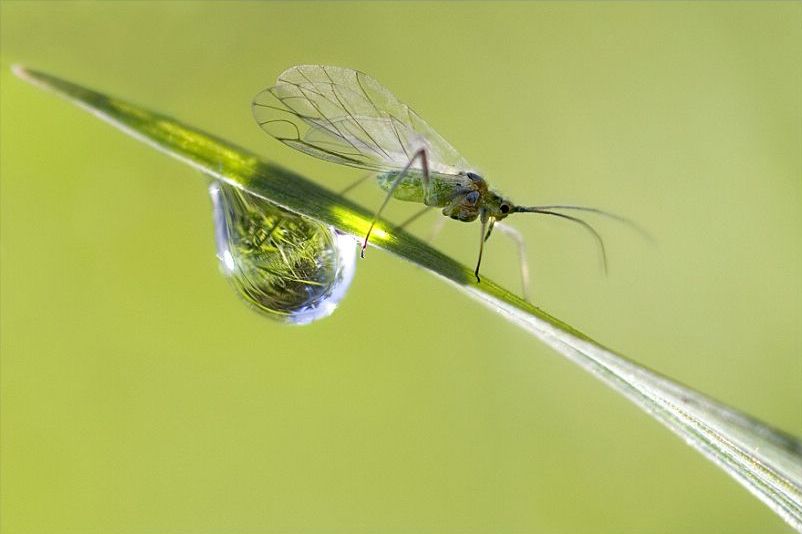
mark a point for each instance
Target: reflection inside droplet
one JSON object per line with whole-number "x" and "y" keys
{"x": 288, "y": 267}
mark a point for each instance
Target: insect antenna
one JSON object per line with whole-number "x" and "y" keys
{"x": 628, "y": 222}
{"x": 545, "y": 211}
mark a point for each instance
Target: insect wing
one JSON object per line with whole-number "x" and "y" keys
{"x": 347, "y": 117}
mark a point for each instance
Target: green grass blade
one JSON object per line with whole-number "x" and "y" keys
{"x": 767, "y": 461}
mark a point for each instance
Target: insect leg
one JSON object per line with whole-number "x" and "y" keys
{"x": 516, "y": 236}
{"x": 414, "y": 217}
{"x": 424, "y": 164}
{"x": 482, "y": 238}
{"x": 357, "y": 183}
{"x": 437, "y": 227}
{"x": 490, "y": 226}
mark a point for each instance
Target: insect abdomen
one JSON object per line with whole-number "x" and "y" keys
{"x": 410, "y": 189}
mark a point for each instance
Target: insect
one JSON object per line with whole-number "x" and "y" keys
{"x": 345, "y": 116}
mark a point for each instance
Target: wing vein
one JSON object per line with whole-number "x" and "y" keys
{"x": 347, "y": 117}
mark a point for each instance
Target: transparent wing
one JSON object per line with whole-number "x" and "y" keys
{"x": 347, "y": 117}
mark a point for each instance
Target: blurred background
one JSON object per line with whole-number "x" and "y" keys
{"x": 140, "y": 395}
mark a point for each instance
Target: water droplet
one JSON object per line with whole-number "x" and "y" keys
{"x": 290, "y": 268}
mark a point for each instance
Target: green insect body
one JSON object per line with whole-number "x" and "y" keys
{"x": 410, "y": 189}
{"x": 463, "y": 196}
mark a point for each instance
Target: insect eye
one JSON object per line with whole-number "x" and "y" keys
{"x": 473, "y": 176}
{"x": 505, "y": 208}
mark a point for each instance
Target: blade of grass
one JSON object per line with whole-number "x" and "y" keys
{"x": 765, "y": 460}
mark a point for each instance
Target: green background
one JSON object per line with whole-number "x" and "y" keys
{"x": 139, "y": 395}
